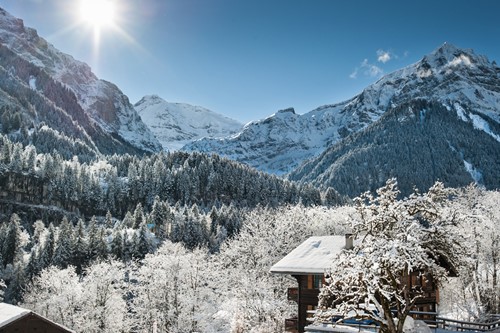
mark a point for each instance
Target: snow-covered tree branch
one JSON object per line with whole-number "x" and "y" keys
{"x": 396, "y": 238}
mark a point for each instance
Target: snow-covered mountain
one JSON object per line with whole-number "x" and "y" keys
{"x": 34, "y": 63}
{"x": 176, "y": 124}
{"x": 282, "y": 141}
{"x": 456, "y": 78}
{"x": 440, "y": 121}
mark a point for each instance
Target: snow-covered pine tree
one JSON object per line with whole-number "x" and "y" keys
{"x": 93, "y": 239}
{"x": 80, "y": 250}
{"x": 141, "y": 242}
{"x": 47, "y": 251}
{"x": 117, "y": 244}
{"x": 11, "y": 247}
{"x": 138, "y": 216}
{"x": 64, "y": 250}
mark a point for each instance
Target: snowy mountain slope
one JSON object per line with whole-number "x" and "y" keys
{"x": 102, "y": 101}
{"x": 418, "y": 142}
{"x": 442, "y": 123}
{"x": 176, "y": 124}
{"x": 278, "y": 143}
{"x": 283, "y": 141}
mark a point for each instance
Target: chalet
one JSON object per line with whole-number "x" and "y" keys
{"x": 14, "y": 319}
{"x": 310, "y": 260}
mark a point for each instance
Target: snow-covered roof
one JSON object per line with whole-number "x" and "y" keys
{"x": 314, "y": 256}
{"x": 11, "y": 313}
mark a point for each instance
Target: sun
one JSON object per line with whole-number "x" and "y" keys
{"x": 97, "y": 13}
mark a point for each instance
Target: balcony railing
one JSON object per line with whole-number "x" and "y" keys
{"x": 293, "y": 294}
{"x": 291, "y": 325}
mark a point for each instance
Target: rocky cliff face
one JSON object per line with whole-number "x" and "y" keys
{"x": 62, "y": 82}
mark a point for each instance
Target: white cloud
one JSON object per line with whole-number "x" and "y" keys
{"x": 354, "y": 74}
{"x": 384, "y": 56}
{"x": 367, "y": 69}
{"x": 370, "y": 69}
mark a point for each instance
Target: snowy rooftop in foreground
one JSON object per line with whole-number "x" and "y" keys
{"x": 10, "y": 313}
{"x": 314, "y": 256}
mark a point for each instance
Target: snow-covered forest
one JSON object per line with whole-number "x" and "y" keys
{"x": 177, "y": 242}
{"x": 119, "y": 275}
{"x": 173, "y": 288}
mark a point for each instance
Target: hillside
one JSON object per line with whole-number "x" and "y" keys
{"x": 42, "y": 86}
{"x": 418, "y": 143}
{"x": 442, "y": 124}
{"x": 449, "y": 75}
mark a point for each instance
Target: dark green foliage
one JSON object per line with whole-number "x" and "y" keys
{"x": 142, "y": 246}
{"x": 160, "y": 218}
{"x": 11, "y": 240}
{"x": 65, "y": 245}
{"x": 117, "y": 250}
{"x": 80, "y": 250}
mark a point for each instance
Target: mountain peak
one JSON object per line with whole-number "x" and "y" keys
{"x": 448, "y": 55}
{"x": 287, "y": 110}
{"x": 99, "y": 106}
{"x": 177, "y": 124}
{"x": 152, "y": 99}
{"x": 446, "y": 48}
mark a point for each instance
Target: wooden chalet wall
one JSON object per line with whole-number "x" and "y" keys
{"x": 306, "y": 296}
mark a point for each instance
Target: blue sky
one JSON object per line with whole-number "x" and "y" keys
{"x": 248, "y": 59}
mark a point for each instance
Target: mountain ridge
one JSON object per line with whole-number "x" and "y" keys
{"x": 105, "y": 105}
{"x": 446, "y": 74}
{"x": 443, "y": 119}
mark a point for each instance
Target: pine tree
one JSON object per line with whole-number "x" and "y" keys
{"x": 138, "y": 216}
{"x": 11, "y": 249}
{"x": 142, "y": 246}
{"x": 64, "y": 251}
{"x": 102, "y": 247}
{"x": 160, "y": 218}
{"x": 214, "y": 220}
{"x": 14, "y": 291}
{"x": 128, "y": 220}
{"x": 80, "y": 254}
{"x": 93, "y": 239}
{"x": 38, "y": 231}
{"x": 33, "y": 266}
{"x": 117, "y": 244}
{"x": 47, "y": 253}
{"x": 109, "y": 220}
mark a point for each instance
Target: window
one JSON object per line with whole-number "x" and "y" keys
{"x": 317, "y": 281}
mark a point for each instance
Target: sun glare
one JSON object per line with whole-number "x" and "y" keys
{"x": 97, "y": 13}
{"x": 98, "y": 19}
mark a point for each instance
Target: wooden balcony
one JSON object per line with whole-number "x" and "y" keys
{"x": 293, "y": 294}
{"x": 307, "y": 296}
{"x": 291, "y": 325}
